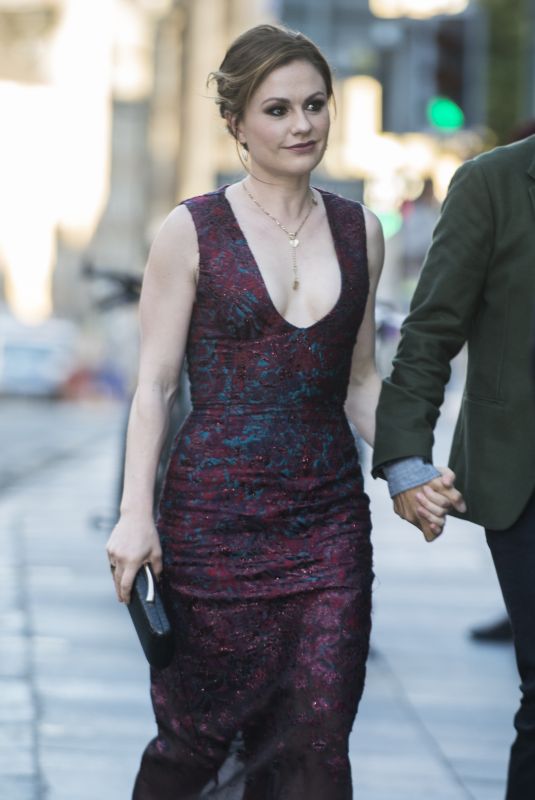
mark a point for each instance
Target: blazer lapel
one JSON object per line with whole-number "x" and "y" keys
{"x": 531, "y": 173}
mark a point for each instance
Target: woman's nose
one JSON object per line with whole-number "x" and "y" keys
{"x": 301, "y": 122}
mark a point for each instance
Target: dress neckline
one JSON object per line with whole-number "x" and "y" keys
{"x": 258, "y": 272}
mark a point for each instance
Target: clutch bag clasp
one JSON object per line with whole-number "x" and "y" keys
{"x": 150, "y": 585}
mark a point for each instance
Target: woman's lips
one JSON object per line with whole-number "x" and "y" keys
{"x": 301, "y": 148}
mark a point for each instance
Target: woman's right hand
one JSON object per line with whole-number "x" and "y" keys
{"x": 132, "y": 543}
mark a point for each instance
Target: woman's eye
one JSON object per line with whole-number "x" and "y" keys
{"x": 315, "y": 105}
{"x": 276, "y": 111}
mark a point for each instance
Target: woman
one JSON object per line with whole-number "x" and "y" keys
{"x": 263, "y": 522}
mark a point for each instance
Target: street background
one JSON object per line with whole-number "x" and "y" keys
{"x": 107, "y": 123}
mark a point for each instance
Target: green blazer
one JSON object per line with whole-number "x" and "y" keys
{"x": 477, "y": 286}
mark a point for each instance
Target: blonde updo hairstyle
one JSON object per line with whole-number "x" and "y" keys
{"x": 251, "y": 58}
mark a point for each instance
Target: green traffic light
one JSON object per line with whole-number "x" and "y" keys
{"x": 443, "y": 113}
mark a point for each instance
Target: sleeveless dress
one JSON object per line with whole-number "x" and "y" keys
{"x": 265, "y": 531}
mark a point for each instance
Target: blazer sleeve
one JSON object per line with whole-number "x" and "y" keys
{"x": 442, "y": 310}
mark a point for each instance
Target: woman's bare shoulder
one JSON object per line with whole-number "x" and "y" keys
{"x": 375, "y": 243}
{"x": 175, "y": 244}
{"x": 374, "y": 228}
{"x": 178, "y": 224}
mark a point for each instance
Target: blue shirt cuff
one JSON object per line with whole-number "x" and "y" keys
{"x": 406, "y": 473}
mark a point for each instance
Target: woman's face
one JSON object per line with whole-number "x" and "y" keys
{"x": 286, "y": 123}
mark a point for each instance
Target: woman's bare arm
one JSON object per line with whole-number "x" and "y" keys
{"x": 364, "y": 381}
{"x": 167, "y": 298}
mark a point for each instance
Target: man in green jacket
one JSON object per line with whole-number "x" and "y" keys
{"x": 477, "y": 286}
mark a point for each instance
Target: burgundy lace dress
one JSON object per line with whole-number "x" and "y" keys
{"x": 265, "y": 530}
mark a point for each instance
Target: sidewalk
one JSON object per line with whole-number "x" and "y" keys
{"x": 436, "y": 719}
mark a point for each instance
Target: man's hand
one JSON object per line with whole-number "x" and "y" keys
{"x": 426, "y": 506}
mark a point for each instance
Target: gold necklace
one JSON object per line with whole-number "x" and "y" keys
{"x": 292, "y": 237}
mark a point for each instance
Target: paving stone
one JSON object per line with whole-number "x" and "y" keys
{"x": 17, "y": 761}
{"x": 13, "y": 656}
{"x": 19, "y": 787}
{"x": 16, "y": 700}
{"x": 484, "y": 789}
{"x": 88, "y": 775}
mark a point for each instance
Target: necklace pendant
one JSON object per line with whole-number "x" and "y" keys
{"x": 295, "y": 285}
{"x": 294, "y": 241}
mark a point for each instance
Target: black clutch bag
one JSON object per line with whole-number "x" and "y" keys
{"x": 150, "y": 619}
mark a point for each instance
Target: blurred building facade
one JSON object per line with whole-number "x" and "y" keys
{"x": 414, "y": 59}
{"x": 109, "y": 122}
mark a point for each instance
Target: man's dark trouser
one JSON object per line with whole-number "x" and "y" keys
{"x": 513, "y": 552}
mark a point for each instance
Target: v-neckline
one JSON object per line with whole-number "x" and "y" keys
{"x": 339, "y": 259}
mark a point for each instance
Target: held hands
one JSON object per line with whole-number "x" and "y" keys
{"x": 132, "y": 543}
{"x": 426, "y": 506}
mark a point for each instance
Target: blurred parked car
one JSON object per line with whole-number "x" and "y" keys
{"x": 35, "y": 360}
